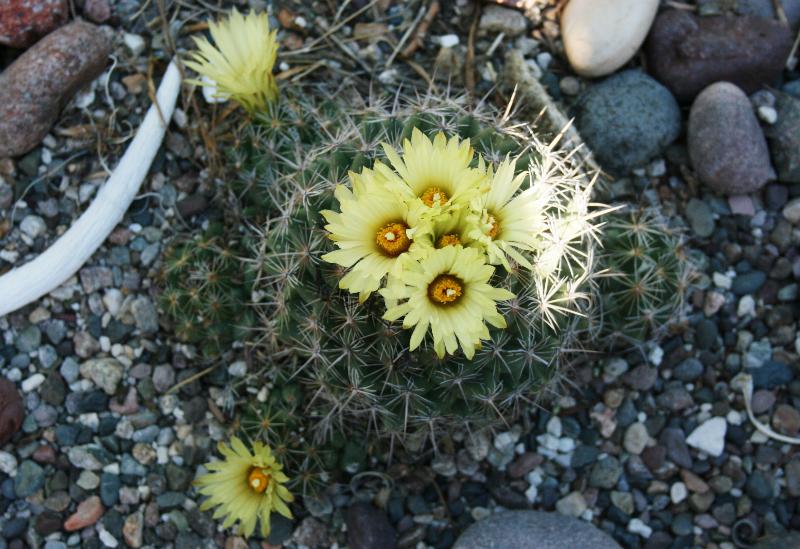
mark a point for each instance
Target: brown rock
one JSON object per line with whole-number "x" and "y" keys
{"x": 786, "y": 420}
{"x": 35, "y": 87}
{"x": 726, "y": 144}
{"x": 368, "y": 527}
{"x": 97, "y": 10}
{"x": 12, "y": 412}
{"x": 23, "y": 22}
{"x": 88, "y": 512}
{"x": 687, "y": 53}
{"x": 132, "y": 530}
{"x": 693, "y": 482}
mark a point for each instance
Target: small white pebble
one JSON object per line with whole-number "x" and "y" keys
{"x": 678, "y": 492}
{"x": 636, "y": 526}
{"x": 32, "y": 383}
{"x": 134, "y": 42}
{"x": 447, "y": 40}
{"x": 768, "y": 114}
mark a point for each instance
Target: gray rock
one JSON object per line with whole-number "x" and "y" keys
{"x": 369, "y": 527}
{"x": 627, "y": 119}
{"x": 29, "y": 479}
{"x": 605, "y": 473}
{"x": 529, "y": 529}
{"x": 688, "y": 370}
{"x": 784, "y": 138}
{"x": 145, "y": 315}
{"x": 726, "y": 145}
{"x": 505, "y": 20}
{"x": 688, "y": 53}
{"x": 106, "y": 373}
{"x": 28, "y": 339}
{"x": 700, "y": 217}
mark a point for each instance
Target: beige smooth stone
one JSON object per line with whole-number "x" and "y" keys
{"x": 602, "y": 35}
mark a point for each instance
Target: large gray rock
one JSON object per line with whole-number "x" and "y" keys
{"x": 784, "y": 139}
{"x": 687, "y": 52}
{"x": 533, "y": 530}
{"x": 726, "y": 144}
{"x": 627, "y": 119}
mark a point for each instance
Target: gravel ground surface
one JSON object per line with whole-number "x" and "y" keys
{"x": 654, "y": 447}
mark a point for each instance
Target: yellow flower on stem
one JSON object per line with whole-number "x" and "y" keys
{"x": 373, "y": 231}
{"x": 437, "y": 172}
{"x": 246, "y": 487}
{"x": 239, "y": 64}
{"x": 449, "y": 292}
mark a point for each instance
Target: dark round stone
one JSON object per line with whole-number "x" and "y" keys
{"x": 12, "y": 411}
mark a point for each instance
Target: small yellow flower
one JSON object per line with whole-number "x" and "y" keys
{"x": 451, "y": 228}
{"x": 374, "y": 229}
{"x": 449, "y": 292}
{"x": 507, "y": 221}
{"x": 245, "y": 487}
{"x": 240, "y": 66}
{"x": 436, "y": 173}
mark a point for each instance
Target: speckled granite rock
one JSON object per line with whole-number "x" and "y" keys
{"x": 533, "y": 529}
{"x": 35, "y": 88}
{"x": 23, "y": 22}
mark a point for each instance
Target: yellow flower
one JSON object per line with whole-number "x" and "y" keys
{"x": 246, "y": 487}
{"x": 449, "y": 292}
{"x": 240, "y": 66}
{"x": 374, "y": 229}
{"x": 452, "y": 228}
{"x": 437, "y": 173}
{"x": 506, "y": 223}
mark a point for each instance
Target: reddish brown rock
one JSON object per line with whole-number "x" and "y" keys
{"x": 687, "y": 53}
{"x": 35, "y": 88}
{"x": 23, "y": 22}
{"x": 88, "y": 512}
{"x": 12, "y": 412}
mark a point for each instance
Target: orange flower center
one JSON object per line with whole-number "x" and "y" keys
{"x": 258, "y": 480}
{"x": 433, "y": 195}
{"x": 448, "y": 240}
{"x": 445, "y": 290}
{"x": 392, "y": 239}
{"x": 494, "y": 226}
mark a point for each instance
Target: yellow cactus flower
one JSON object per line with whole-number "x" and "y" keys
{"x": 239, "y": 64}
{"x": 374, "y": 229}
{"x": 436, "y": 173}
{"x": 448, "y": 291}
{"x": 507, "y": 221}
{"x": 245, "y": 487}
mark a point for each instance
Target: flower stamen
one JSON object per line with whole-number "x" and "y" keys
{"x": 494, "y": 226}
{"x": 258, "y": 480}
{"x": 432, "y": 195}
{"x": 448, "y": 240}
{"x": 392, "y": 239}
{"x": 445, "y": 290}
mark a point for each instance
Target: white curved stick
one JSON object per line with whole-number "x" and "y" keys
{"x": 68, "y": 254}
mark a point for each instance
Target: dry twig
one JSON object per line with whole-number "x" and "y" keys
{"x": 418, "y": 39}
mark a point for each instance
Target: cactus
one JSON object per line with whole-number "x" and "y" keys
{"x": 204, "y": 291}
{"x": 646, "y": 274}
{"x": 355, "y": 367}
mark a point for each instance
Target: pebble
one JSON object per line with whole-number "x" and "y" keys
{"x": 771, "y": 374}
{"x": 784, "y": 138}
{"x": 35, "y": 87}
{"x": 369, "y": 527}
{"x": 678, "y": 492}
{"x": 572, "y": 505}
{"x": 627, "y": 120}
{"x": 601, "y": 36}
{"x": 499, "y": 19}
{"x": 688, "y": 53}
{"x": 106, "y": 373}
{"x": 33, "y": 226}
{"x": 636, "y": 438}
{"x": 97, "y": 11}
{"x": 88, "y": 512}
{"x": 29, "y": 479}
{"x": 700, "y": 217}
{"x": 605, "y": 473}
{"x": 23, "y": 22}
{"x": 786, "y": 420}
{"x": 709, "y": 436}
{"x": 688, "y": 370}
{"x": 748, "y": 283}
{"x": 791, "y": 211}
{"x": 726, "y": 145}
{"x": 637, "y": 526}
